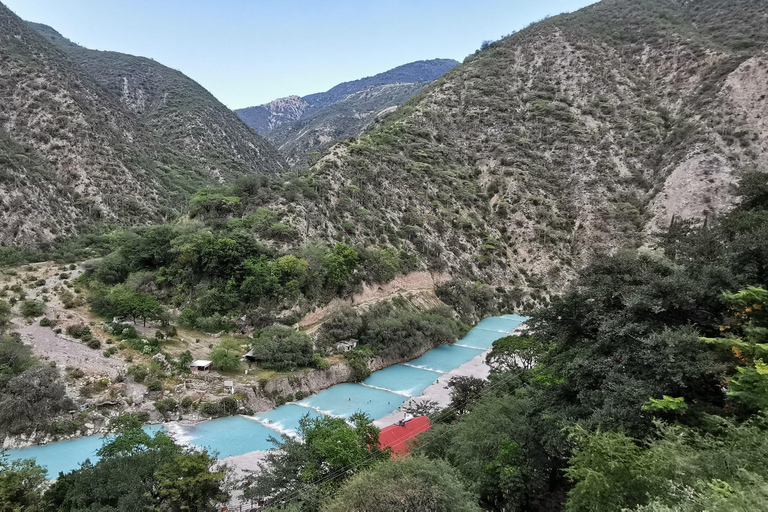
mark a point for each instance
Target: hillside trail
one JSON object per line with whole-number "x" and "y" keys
{"x": 417, "y": 287}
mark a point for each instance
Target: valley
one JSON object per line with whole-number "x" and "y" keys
{"x": 316, "y": 268}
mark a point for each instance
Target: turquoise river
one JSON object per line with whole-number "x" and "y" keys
{"x": 379, "y": 395}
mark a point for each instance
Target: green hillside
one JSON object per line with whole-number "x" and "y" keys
{"x": 75, "y": 154}
{"x": 582, "y": 133}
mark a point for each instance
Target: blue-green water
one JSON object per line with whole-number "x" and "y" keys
{"x": 66, "y": 455}
{"x": 379, "y": 395}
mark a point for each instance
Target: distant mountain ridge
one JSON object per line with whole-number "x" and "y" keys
{"x": 89, "y": 137}
{"x": 297, "y": 125}
{"x": 266, "y": 117}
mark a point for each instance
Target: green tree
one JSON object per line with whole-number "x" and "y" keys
{"x": 31, "y": 308}
{"x": 190, "y": 481}
{"x": 679, "y": 468}
{"x": 416, "y": 483}
{"x": 340, "y": 264}
{"x": 282, "y": 348}
{"x": 514, "y": 353}
{"x": 226, "y": 355}
{"x": 464, "y": 391}
{"x": 31, "y": 398}
{"x": 260, "y": 280}
{"x": 15, "y": 358}
{"x": 21, "y": 484}
{"x": 141, "y": 472}
{"x": 214, "y": 203}
{"x": 309, "y": 469}
{"x": 5, "y": 315}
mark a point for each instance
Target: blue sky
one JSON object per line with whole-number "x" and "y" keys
{"x": 248, "y": 52}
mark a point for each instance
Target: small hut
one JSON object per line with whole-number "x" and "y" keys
{"x": 200, "y": 367}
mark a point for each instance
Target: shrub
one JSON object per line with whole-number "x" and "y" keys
{"x": 47, "y": 322}
{"x": 155, "y": 385}
{"x": 166, "y": 405}
{"x": 32, "y": 308}
{"x": 228, "y": 405}
{"x": 210, "y": 409}
{"x": 79, "y": 331}
{"x": 93, "y": 343}
{"x": 75, "y": 373}
{"x": 358, "y": 360}
{"x": 282, "y": 348}
{"x": 186, "y": 402}
{"x": 69, "y": 300}
{"x": 320, "y": 362}
{"x": 110, "y": 351}
{"x": 139, "y": 372}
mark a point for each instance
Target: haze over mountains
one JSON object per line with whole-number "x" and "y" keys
{"x": 89, "y": 136}
{"x": 299, "y": 125}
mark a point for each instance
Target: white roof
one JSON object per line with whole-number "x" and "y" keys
{"x": 200, "y": 362}
{"x": 229, "y": 384}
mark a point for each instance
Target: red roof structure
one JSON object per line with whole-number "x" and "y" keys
{"x": 395, "y": 436}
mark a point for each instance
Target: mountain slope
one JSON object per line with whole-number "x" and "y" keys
{"x": 72, "y": 154}
{"x": 176, "y": 108}
{"x": 345, "y": 118}
{"x": 298, "y": 126}
{"x": 582, "y": 133}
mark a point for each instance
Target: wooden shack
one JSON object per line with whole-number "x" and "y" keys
{"x": 200, "y": 367}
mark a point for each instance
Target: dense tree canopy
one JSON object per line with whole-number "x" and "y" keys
{"x": 141, "y": 472}
{"x": 310, "y": 469}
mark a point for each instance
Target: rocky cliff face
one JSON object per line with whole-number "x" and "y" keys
{"x": 580, "y": 134}
{"x": 267, "y": 117}
{"x": 127, "y": 145}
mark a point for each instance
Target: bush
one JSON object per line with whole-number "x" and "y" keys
{"x": 186, "y": 402}
{"x": 320, "y": 362}
{"x": 32, "y": 308}
{"x": 228, "y": 405}
{"x": 166, "y": 405}
{"x": 155, "y": 385}
{"x": 69, "y": 300}
{"x": 93, "y": 343}
{"x": 342, "y": 325}
{"x": 397, "y": 332}
{"x": 110, "y": 351}
{"x": 358, "y": 360}
{"x": 75, "y": 373}
{"x": 139, "y": 372}
{"x": 47, "y": 322}
{"x": 79, "y": 331}
{"x": 210, "y": 409}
